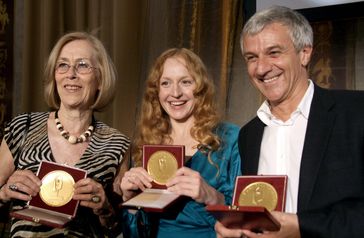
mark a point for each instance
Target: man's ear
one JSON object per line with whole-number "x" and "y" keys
{"x": 305, "y": 55}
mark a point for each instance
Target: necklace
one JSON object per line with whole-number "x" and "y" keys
{"x": 70, "y": 138}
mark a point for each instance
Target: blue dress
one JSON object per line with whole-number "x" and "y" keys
{"x": 191, "y": 219}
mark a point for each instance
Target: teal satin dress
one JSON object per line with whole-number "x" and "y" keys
{"x": 190, "y": 218}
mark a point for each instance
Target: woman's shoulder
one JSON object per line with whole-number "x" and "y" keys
{"x": 227, "y": 127}
{"x": 228, "y": 131}
{"x": 32, "y": 114}
{"x": 23, "y": 122}
{"x": 21, "y": 118}
{"x": 105, "y": 130}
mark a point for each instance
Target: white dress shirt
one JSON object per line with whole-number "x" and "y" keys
{"x": 282, "y": 145}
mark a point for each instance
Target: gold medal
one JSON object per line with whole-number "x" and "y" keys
{"x": 57, "y": 188}
{"x": 260, "y": 194}
{"x": 162, "y": 165}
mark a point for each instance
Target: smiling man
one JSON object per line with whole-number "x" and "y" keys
{"x": 313, "y": 135}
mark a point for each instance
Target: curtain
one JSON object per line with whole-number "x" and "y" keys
{"x": 134, "y": 32}
{"x": 6, "y": 61}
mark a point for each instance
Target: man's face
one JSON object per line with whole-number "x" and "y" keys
{"x": 274, "y": 66}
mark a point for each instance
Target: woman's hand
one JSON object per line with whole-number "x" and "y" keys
{"x": 91, "y": 194}
{"x": 22, "y": 185}
{"x": 133, "y": 180}
{"x": 189, "y": 183}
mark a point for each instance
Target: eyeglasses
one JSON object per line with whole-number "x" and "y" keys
{"x": 81, "y": 67}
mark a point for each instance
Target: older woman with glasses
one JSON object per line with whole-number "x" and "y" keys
{"x": 79, "y": 79}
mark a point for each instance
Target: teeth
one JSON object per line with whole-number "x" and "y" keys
{"x": 177, "y": 103}
{"x": 72, "y": 87}
{"x": 270, "y": 80}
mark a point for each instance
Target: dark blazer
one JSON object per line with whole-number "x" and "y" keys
{"x": 331, "y": 182}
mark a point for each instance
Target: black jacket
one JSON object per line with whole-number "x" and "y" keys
{"x": 331, "y": 179}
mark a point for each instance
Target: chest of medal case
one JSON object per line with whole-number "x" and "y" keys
{"x": 161, "y": 162}
{"x": 253, "y": 199}
{"x": 50, "y": 213}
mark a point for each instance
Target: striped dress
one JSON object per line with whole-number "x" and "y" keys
{"x": 101, "y": 160}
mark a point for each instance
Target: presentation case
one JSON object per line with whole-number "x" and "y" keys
{"x": 161, "y": 162}
{"x": 53, "y": 205}
{"x": 254, "y": 197}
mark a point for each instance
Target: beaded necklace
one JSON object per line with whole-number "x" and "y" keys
{"x": 70, "y": 138}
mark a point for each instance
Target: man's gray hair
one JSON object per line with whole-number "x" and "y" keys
{"x": 299, "y": 28}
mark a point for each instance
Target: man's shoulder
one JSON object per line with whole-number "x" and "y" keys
{"x": 252, "y": 126}
{"x": 341, "y": 93}
{"x": 254, "y": 122}
{"x": 344, "y": 98}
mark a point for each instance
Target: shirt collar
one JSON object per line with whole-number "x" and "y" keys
{"x": 303, "y": 108}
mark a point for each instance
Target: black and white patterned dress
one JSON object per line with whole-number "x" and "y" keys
{"x": 101, "y": 160}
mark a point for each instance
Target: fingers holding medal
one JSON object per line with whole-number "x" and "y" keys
{"x": 136, "y": 178}
{"x": 58, "y": 188}
{"x": 22, "y": 185}
{"x": 90, "y": 193}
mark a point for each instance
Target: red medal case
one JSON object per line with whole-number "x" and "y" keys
{"x": 255, "y": 218}
{"x": 38, "y": 211}
{"x": 157, "y": 198}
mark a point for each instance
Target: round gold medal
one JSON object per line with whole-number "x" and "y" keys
{"x": 259, "y": 194}
{"x": 57, "y": 188}
{"x": 162, "y": 165}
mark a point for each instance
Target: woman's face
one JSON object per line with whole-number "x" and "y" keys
{"x": 78, "y": 85}
{"x": 176, "y": 87}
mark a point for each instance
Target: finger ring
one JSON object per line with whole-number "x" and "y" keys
{"x": 95, "y": 199}
{"x": 13, "y": 187}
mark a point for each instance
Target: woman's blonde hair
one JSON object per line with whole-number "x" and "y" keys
{"x": 154, "y": 125}
{"x": 106, "y": 71}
